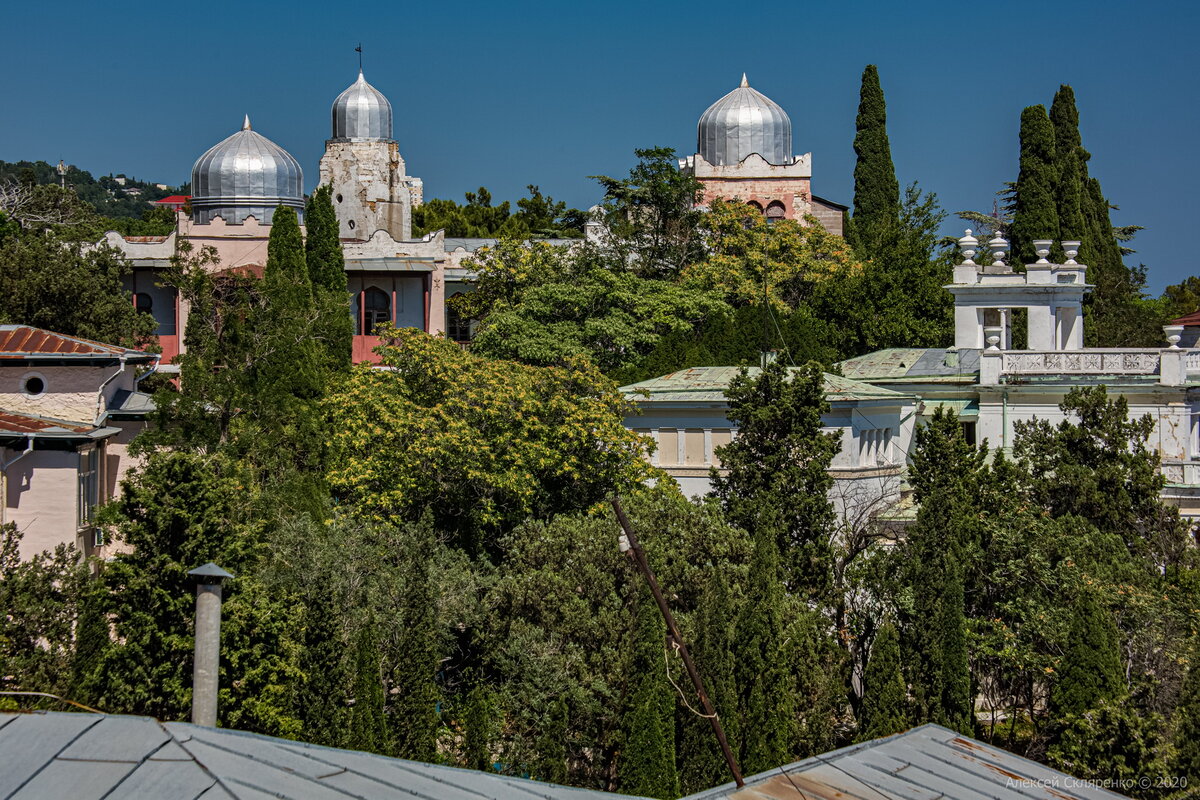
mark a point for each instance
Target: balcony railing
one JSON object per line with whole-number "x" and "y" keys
{"x": 1170, "y": 366}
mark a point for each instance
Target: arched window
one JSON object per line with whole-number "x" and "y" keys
{"x": 775, "y": 212}
{"x": 756, "y": 206}
{"x": 143, "y": 303}
{"x": 377, "y": 308}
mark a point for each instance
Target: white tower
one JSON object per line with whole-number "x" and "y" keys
{"x": 362, "y": 163}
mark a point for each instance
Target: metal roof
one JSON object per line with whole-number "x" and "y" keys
{"x": 23, "y": 341}
{"x": 913, "y": 363}
{"x": 708, "y": 384}
{"x": 361, "y": 112}
{"x": 245, "y": 175}
{"x": 14, "y": 424}
{"x": 742, "y": 122}
{"x": 85, "y": 756}
{"x": 926, "y": 763}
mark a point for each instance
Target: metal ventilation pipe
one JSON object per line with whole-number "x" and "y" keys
{"x": 206, "y": 664}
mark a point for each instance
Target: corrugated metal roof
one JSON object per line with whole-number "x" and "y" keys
{"x": 22, "y": 341}
{"x": 913, "y": 363}
{"x": 925, "y": 763}
{"x": 708, "y": 384}
{"x": 54, "y": 754}
{"x": 11, "y": 422}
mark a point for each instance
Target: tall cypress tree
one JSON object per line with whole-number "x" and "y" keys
{"x": 647, "y": 763}
{"x": 701, "y": 763}
{"x": 885, "y": 697}
{"x": 954, "y": 707}
{"x": 876, "y": 191}
{"x": 415, "y": 708}
{"x": 367, "y": 730}
{"x": 327, "y": 272}
{"x": 1070, "y": 168}
{"x": 1035, "y": 213}
{"x": 322, "y": 701}
{"x": 765, "y": 707}
{"x": 1187, "y": 721}
{"x": 477, "y": 721}
{"x": 290, "y": 366}
{"x": 1091, "y": 668}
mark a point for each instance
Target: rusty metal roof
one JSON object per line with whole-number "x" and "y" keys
{"x": 83, "y": 756}
{"x": 925, "y": 763}
{"x": 23, "y": 341}
{"x": 708, "y": 384}
{"x": 23, "y": 425}
{"x": 914, "y": 363}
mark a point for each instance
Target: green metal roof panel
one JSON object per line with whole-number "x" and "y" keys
{"x": 910, "y": 363}
{"x": 708, "y": 384}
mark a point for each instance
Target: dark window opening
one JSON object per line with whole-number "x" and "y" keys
{"x": 968, "y": 429}
{"x": 775, "y": 212}
{"x": 376, "y": 309}
{"x": 458, "y": 328}
{"x": 143, "y": 303}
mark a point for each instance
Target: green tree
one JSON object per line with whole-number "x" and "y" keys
{"x": 42, "y": 598}
{"x": 327, "y": 273}
{"x": 1186, "y": 761}
{"x": 952, "y": 700}
{"x": 414, "y": 708}
{"x": 885, "y": 696}
{"x": 651, "y": 216}
{"x": 876, "y": 191}
{"x": 1102, "y": 469}
{"x": 1091, "y": 670}
{"x": 1035, "y": 213}
{"x": 647, "y": 764}
{"x": 367, "y": 727}
{"x": 780, "y": 461}
{"x": 478, "y": 722}
{"x": 583, "y": 307}
{"x": 765, "y": 701}
{"x": 557, "y": 630}
{"x": 49, "y": 282}
{"x": 500, "y": 441}
{"x": 701, "y": 763}
{"x": 327, "y": 673}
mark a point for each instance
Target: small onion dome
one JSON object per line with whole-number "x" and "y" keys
{"x": 362, "y": 112}
{"x": 245, "y": 175}
{"x": 742, "y": 122}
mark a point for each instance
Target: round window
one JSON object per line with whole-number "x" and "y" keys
{"x": 339, "y": 198}
{"x": 33, "y": 385}
{"x": 351, "y": 224}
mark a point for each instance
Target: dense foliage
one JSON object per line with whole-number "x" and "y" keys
{"x": 538, "y": 216}
{"x": 426, "y": 567}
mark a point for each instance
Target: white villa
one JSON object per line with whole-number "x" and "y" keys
{"x": 990, "y": 385}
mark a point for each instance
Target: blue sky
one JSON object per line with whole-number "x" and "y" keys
{"x": 503, "y": 95}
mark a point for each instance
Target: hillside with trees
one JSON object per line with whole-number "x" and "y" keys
{"x": 426, "y": 566}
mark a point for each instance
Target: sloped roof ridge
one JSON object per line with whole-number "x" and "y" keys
{"x": 16, "y": 338}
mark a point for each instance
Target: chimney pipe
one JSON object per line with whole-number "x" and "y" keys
{"x": 207, "y": 661}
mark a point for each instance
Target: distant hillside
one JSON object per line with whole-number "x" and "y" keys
{"x": 111, "y": 195}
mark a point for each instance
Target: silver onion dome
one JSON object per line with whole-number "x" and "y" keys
{"x": 362, "y": 112}
{"x": 245, "y": 175}
{"x": 742, "y": 122}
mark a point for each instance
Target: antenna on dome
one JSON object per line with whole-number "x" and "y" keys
{"x": 359, "y": 51}
{"x": 745, "y": 83}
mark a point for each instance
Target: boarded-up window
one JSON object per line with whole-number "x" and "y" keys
{"x": 668, "y": 446}
{"x": 693, "y": 448}
{"x": 720, "y": 438}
